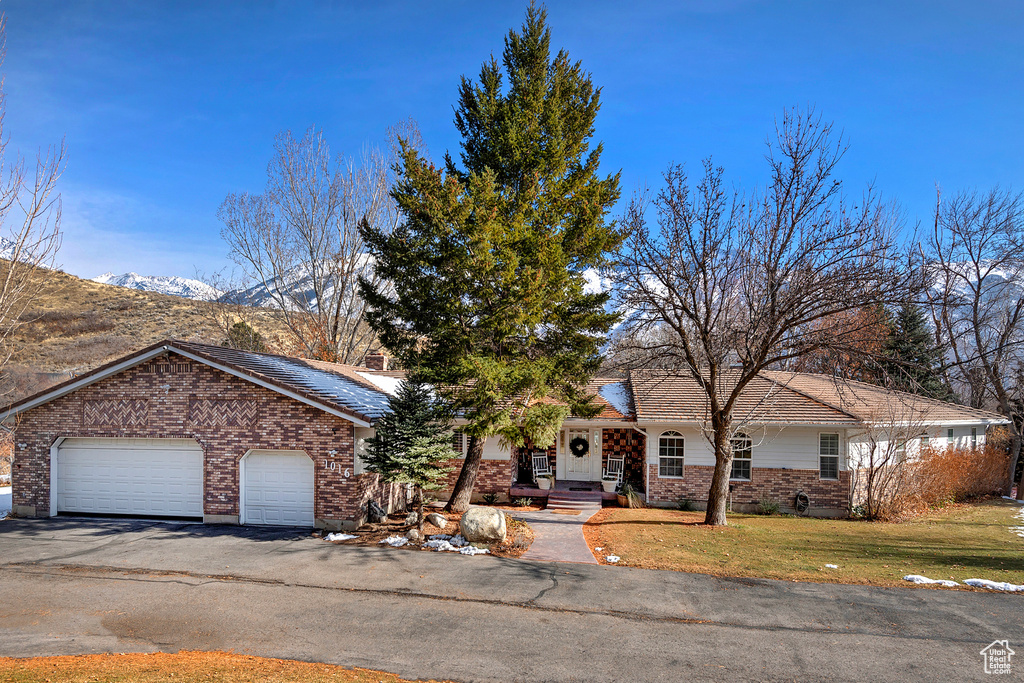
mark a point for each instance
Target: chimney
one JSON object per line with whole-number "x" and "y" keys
{"x": 375, "y": 360}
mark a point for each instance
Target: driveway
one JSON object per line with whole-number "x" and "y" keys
{"x": 78, "y": 586}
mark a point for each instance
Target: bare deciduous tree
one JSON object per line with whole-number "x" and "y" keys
{"x": 726, "y": 287}
{"x": 976, "y": 266}
{"x": 299, "y": 241}
{"x": 30, "y": 213}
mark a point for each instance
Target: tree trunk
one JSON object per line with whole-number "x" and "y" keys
{"x": 1015, "y": 449}
{"x": 718, "y": 495}
{"x": 463, "y": 491}
{"x": 417, "y": 501}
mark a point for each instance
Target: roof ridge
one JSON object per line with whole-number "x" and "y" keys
{"x": 917, "y": 397}
{"x": 310, "y": 362}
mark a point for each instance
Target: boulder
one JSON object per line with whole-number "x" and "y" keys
{"x": 412, "y": 518}
{"x": 483, "y": 525}
{"x": 437, "y": 520}
{"x": 375, "y": 513}
{"x": 414, "y": 535}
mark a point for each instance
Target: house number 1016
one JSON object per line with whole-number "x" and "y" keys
{"x": 333, "y": 467}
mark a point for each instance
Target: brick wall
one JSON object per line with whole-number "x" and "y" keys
{"x": 173, "y": 397}
{"x": 494, "y": 476}
{"x": 827, "y": 497}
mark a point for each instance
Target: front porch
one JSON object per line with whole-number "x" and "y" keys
{"x": 577, "y": 472}
{"x": 530, "y": 491}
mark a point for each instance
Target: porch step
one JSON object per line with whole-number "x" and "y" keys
{"x": 574, "y": 500}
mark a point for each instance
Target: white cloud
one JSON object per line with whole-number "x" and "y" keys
{"x": 109, "y": 232}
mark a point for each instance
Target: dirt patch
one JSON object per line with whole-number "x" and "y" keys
{"x": 222, "y": 667}
{"x": 517, "y": 540}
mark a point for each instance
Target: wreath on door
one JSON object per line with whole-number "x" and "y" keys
{"x": 579, "y": 446}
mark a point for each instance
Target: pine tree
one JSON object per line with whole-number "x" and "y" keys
{"x": 486, "y": 293}
{"x": 242, "y": 336}
{"x": 412, "y": 443}
{"x": 911, "y": 361}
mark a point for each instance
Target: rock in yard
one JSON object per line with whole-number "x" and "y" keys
{"x": 437, "y": 520}
{"x": 375, "y": 513}
{"x": 414, "y": 535}
{"x": 483, "y": 525}
{"x": 411, "y": 518}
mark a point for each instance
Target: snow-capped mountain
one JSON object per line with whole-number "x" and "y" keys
{"x": 175, "y": 286}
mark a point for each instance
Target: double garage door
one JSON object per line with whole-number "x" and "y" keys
{"x": 164, "y": 478}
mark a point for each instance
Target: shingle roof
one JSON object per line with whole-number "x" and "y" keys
{"x": 666, "y": 396}
{"x": 332, "y": 386}
{"x": 871, "y": 403}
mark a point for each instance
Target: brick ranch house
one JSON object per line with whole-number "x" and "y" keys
{"x": 189, "y": 430}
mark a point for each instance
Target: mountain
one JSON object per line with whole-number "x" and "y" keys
{"x": 162, "y": 284}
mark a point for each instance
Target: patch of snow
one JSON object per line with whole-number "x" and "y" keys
{"x": 613, "y": 558}
{"x": 995, "y": 585}
{"x": 917, "y": 578}
{"x": 1019, "y": 530}
{"x": 832, "y": 566}
{"x": 6, "y": 499}
{"x": 163, "y": 284}
{"x": 1018, "y": 502}
{"x": 453, "y": 544}
{"x": 338, "y": 537}
{"x": 388, "y": 385}
{"x": 617, "y": 395}
{"x": 598, "y": 549}
{"x": 347, "y": 392}
{"x": 395, "y": 541}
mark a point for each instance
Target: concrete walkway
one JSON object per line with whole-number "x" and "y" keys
{"x": 558, "y": 537}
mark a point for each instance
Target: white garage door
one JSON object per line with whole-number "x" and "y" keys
{"x": 140, "y": 477}
{"x": 277, "y": 488}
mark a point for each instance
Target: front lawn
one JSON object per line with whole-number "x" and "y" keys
{"x": 959, "y": 542}
{"x": 220, "y": 667}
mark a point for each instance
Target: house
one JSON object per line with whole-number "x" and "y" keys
{"x": 188, "y": 430}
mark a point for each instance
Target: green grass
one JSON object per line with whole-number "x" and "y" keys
{"x": 960, "y": 542}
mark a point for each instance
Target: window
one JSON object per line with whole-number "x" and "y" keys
{"x": 828, "y": 456}
{"x": 670, "y": 455}
{"x": 901, "y": 451}
{"x": 925, "y": 440}
{"x": 458, "y": 442}
{"x": 742, "y": 449}
{"x": 974, "y": 437}
{"x": 949, "y": 435}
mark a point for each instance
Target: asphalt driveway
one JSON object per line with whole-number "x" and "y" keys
{"x": 76, "y": 586}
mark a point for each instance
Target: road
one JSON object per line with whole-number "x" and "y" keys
{"x": 84, "y": 586}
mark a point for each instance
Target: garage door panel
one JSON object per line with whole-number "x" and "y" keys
{"x": 277, "y": 488}
{"x": 145, "y": 477}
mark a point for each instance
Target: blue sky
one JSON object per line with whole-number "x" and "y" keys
{"x": 168, "y": 106}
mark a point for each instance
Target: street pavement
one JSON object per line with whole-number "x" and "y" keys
{"x": 70, "y": 586}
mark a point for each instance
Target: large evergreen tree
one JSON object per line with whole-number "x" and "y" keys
{"x": 911, "y": 362}
{"x": 412, "y": 443}
{"x": 486, "y": 294}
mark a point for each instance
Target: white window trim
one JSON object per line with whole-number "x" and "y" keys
{"x": 750, "y": 459}
{"x": 837, "y": 456}
{"x": 671, "y": 434}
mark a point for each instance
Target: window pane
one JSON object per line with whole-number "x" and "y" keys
{"x": 457, "y": 441}
{"x": 828, "y": 444}
{"x": 741, "y": 469}
{"x": 829, "y": 467}
{"x": 670, "y": 467}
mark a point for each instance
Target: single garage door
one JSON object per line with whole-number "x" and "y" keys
{"x": 137, "y": 477}
{"x": 277, "y": 488}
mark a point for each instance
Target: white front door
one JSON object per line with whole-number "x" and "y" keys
{"x": 582, "y": 467}
{"x": 277, "y": 488}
